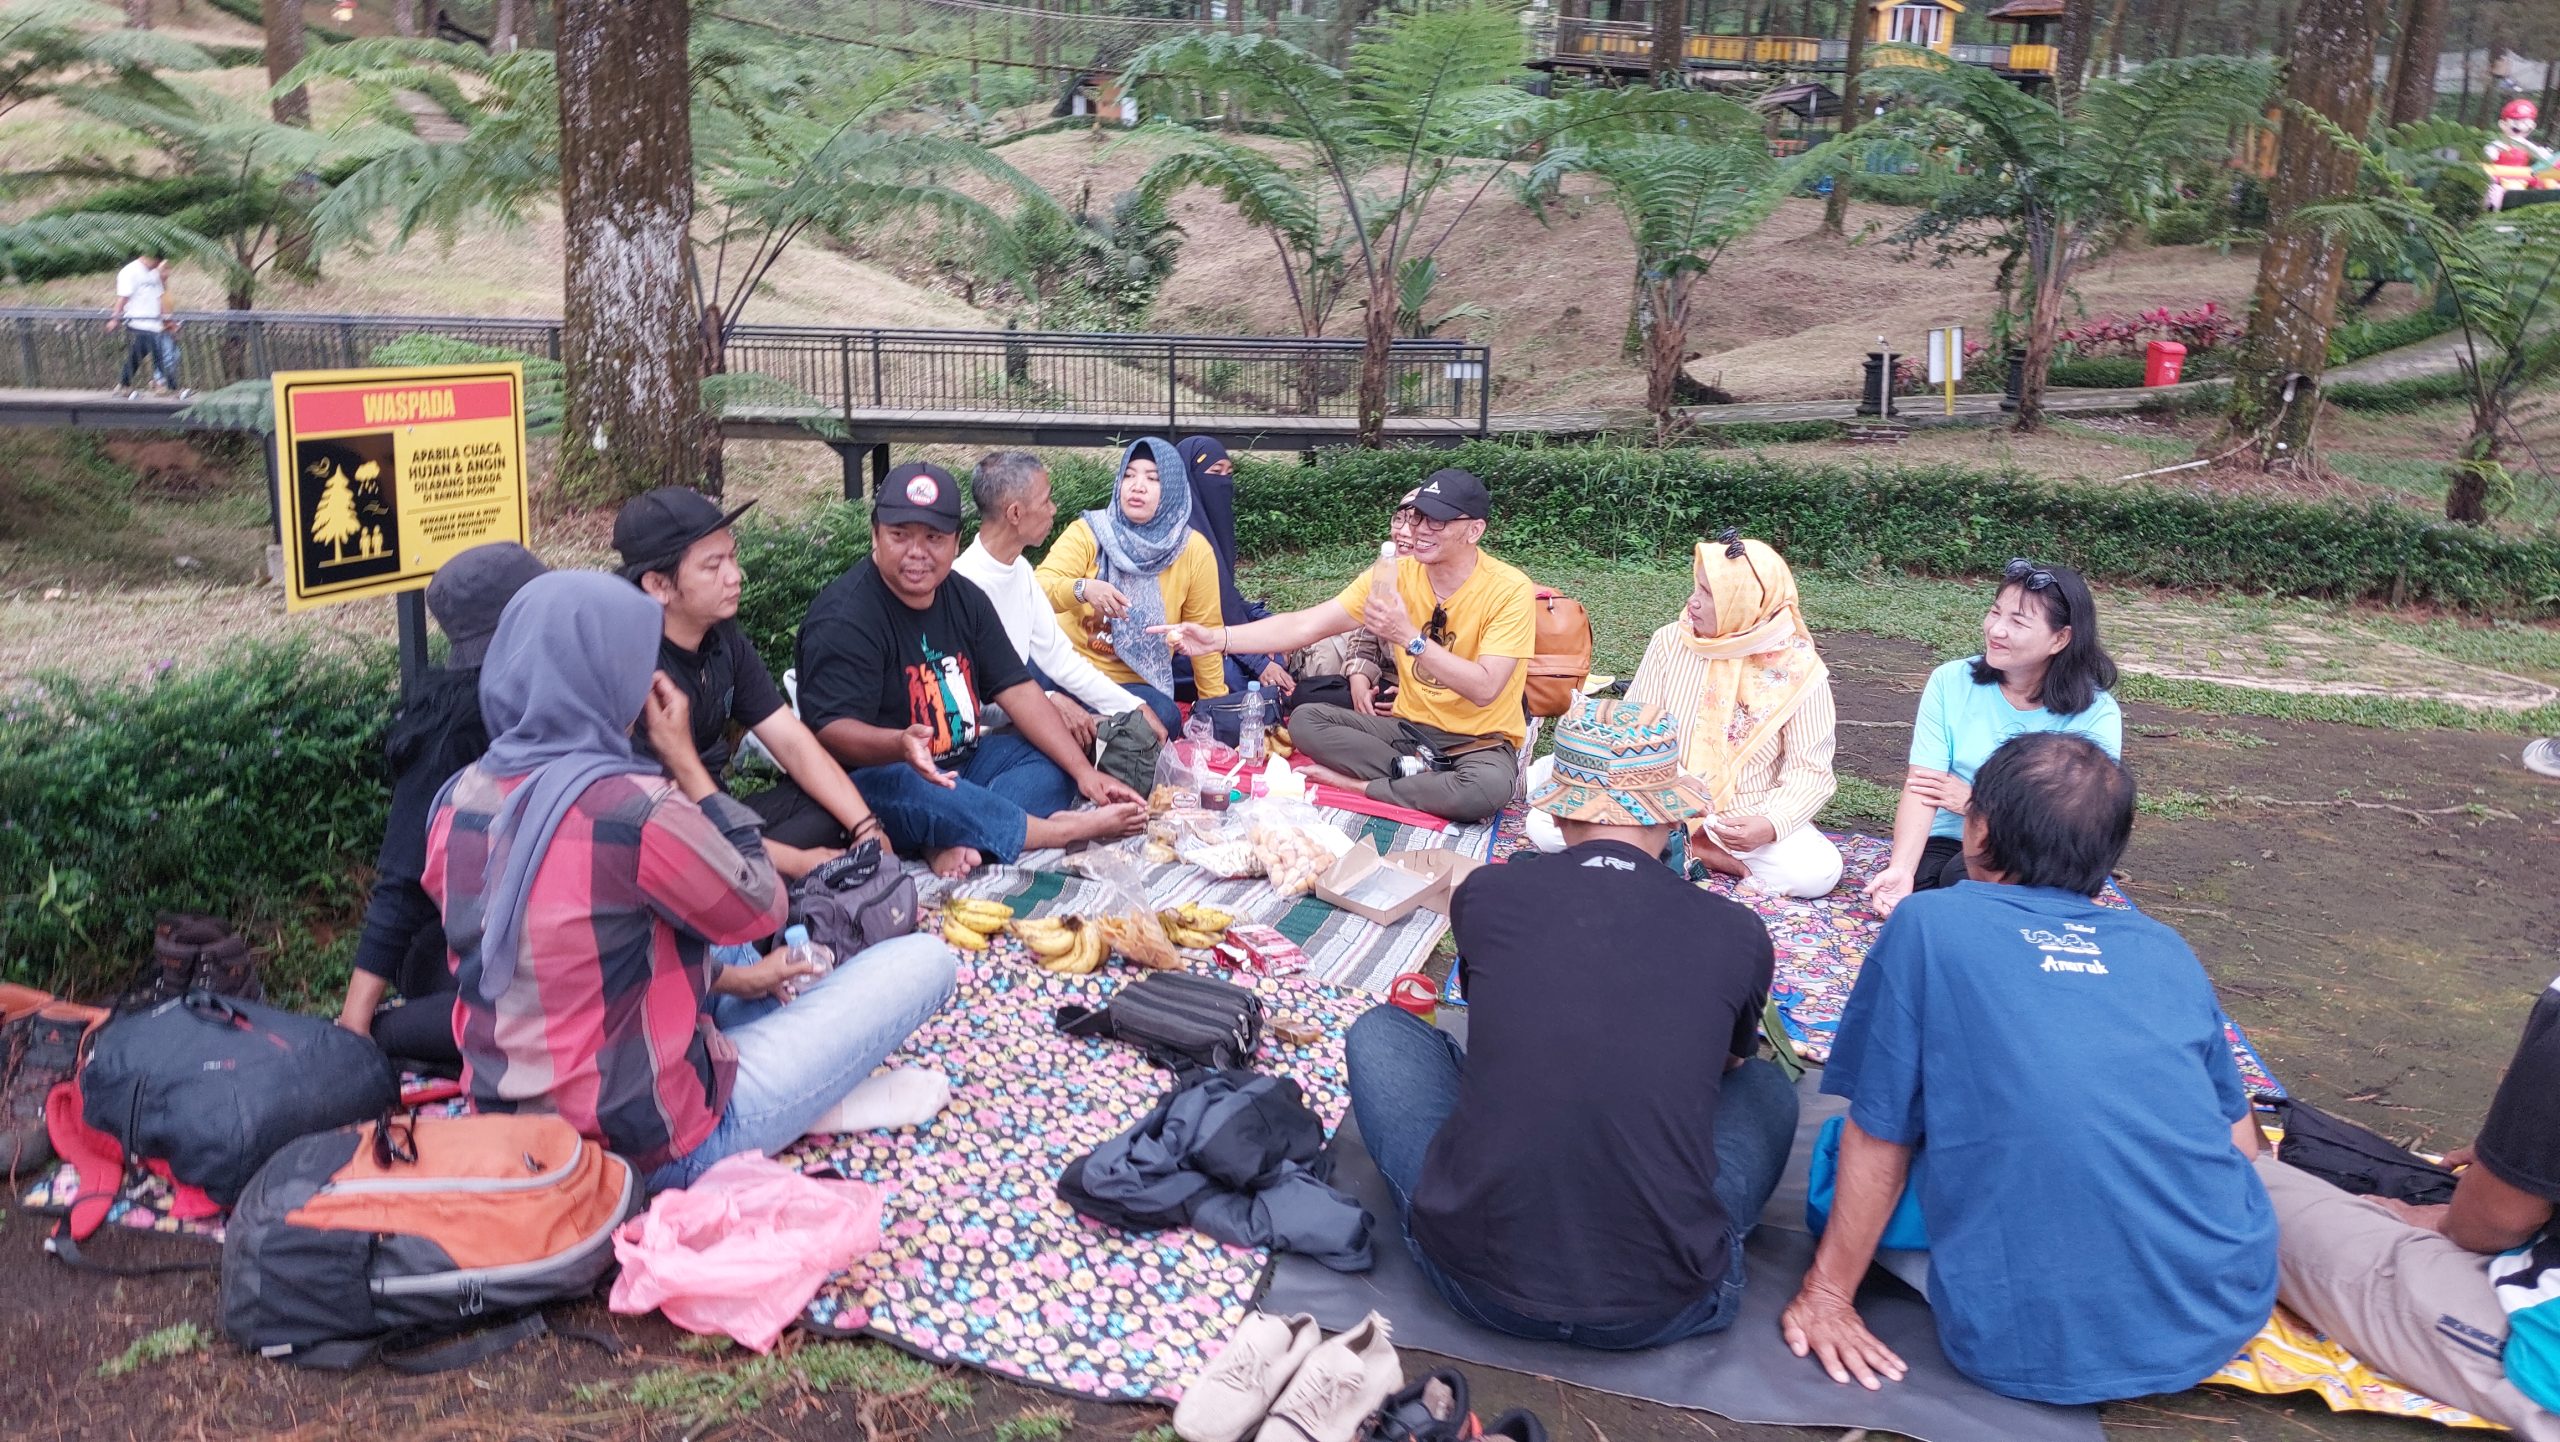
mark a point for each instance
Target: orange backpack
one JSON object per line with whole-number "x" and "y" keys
{"x": 1562, "y": 662}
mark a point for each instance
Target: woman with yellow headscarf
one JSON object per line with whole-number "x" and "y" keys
{"x": 1739, "y": 673}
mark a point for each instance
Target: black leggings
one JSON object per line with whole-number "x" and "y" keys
{"x": 1941, "y": 864}
{"x": 419, "y": 1033}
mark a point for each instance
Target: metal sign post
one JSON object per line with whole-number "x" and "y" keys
{"x": 1946, "y": 361}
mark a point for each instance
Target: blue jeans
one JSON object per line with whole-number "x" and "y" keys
{"x": 157, "y": 347}
{"x": 1004, "y": 783}
{"x": 797, "y": 1060}
{"x": 1404, "y": 1084}
{"x": 1161, "y": 704}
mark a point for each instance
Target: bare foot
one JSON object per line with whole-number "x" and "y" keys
{"x": 1704, "y": 851}
{"x": 1316, "y": 772}
{"x": 795, "y": 862}
{"x": 955, "y": 862}
{"x": 1126, "y": 818}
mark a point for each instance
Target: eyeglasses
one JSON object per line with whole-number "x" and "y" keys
{"x": 1414, "y": 520}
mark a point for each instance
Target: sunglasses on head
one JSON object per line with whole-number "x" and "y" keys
{"x": 2022, "y": 572}
{"x": 1731, "y": 539}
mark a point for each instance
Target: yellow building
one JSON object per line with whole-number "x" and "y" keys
{"x": 1929, "y": 23}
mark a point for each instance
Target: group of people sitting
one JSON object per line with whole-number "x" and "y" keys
{"x": 580, "y": 916}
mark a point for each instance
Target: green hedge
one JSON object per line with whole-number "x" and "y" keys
{"x": 2413, "y": 393}
{"x": 2355, "y": 339}
{"x": 248, "y": 789}
{"x": 2110, "y": 372}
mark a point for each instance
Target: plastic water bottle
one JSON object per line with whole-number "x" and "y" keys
{"x": 1382, "y": 576}
{"x": 799, "y": 949}
{"x": 1249, "y": 730}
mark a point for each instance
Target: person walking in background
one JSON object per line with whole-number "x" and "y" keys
{"x": 151, "y": 331}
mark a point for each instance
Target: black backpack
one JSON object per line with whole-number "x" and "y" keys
{"x": 1181, "y": 1020}
{"x": 215, "y": 1085}
{"x": 858, "y": 900}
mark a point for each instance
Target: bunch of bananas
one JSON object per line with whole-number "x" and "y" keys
{"x": 1195, "y": 926}
{"x": 969, "y": 923}
{"x": 1067, "y": 945}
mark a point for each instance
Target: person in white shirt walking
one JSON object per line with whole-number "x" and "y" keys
{"x": 1016, "y": 511}
{"x": 151, "y": 332}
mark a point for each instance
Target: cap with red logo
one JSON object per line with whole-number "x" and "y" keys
{"x": 919, "y": 493}
{"x": 2520, "y": 110}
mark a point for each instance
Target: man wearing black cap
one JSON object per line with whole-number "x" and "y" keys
{"x": 437, "y": 733}
{"x": 898, "y": 660}
{"x": 676, "y": 545}
{"x": 1462, "y": 626}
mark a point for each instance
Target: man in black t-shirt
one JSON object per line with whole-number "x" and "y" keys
{"x": 1585, "y": 1169}
{"x": 2422, "y": 1294}
{"x": 676, "y": 545}
{"x": 898, "y": 660}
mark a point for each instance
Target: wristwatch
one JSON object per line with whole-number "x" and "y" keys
{"x": 1079, "y": 588}
{"x": 1414, "y": 647}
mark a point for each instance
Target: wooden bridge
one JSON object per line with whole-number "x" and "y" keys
{"x": 1627, "y": 46}
{"x": 856, "y": 389}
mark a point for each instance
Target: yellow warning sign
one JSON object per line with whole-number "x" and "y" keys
{"x": 387, "y": 474}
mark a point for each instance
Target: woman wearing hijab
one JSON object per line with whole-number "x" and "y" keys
{"x": 1739, "y": 673}
{"x": 1136, "y": 564}
{"x": 583, "y": 890}
{"x": 1213, "y": 515}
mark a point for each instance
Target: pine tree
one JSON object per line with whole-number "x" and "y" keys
{"x": 334, "y": 523}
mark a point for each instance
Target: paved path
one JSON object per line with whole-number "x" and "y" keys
{"x": 2434, "y": 356}
{"x": 1912, "y": 410}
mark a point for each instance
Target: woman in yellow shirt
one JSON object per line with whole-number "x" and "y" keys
{"x": 1134, "y": 564}
{"x": 1739, "y": 674}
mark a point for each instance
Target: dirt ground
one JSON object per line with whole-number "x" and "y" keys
{"x": 2381, "y": 956}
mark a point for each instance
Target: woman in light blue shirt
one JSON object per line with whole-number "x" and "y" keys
{"x": 2041, "y": 669}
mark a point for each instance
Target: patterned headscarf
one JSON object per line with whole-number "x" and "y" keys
{"x": 1734, "y": 690}
{"x": 1133, "y": 558}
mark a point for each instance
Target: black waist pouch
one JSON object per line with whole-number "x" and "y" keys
{"x": 2352, "y": 1159}
{"x": 1180, "y": 1020}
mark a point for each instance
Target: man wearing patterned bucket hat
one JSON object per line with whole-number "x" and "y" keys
{"x": 1586, "y": 1167}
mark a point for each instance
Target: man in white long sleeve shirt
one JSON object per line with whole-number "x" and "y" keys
{"x": 1016, "y": 512}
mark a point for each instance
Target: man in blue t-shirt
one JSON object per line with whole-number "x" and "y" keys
{"x": 2095, "y": 1228}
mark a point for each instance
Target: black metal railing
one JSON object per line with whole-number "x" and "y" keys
{"x": 852, "y": 373}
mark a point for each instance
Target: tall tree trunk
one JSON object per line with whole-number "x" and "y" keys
{"x": 629, "y": 341}
{"x": 1666, "y": 348}
{"x": 2177, "y": 45}
{"x": 1667, "y": 59}
{"x": 137, "y": 14}
{"x": 285, "y": 43}
{"x": 506, "y": 28}
{"x": 1377, "y": 356}
{"x": 1835, "y": 206}
{"x": 405, "y": 17}
{"x": 2413, "y": 62}
{"x": 2466, "y": 491}
{"x": 2115, "y": 38}
{"x": 2275, "y": 387}
{"x": 2071, "y": 61}
{"x": 2049, "y": 264}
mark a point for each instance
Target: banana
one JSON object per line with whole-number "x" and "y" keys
{"x": 1049, "y": 939}
{"x": 1196, "y": 917}
{"x": 988, "y": 917}
{"x": 963, "y": 937}
{"x": 1091, "y": 951}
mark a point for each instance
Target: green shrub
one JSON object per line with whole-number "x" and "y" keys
{"x": 1617, "y": 502}
{"x": 2110, "y": 372}
{"x": 2355, "y": 339}
{"x": 2188, "y": 225}
{"x": 1767, "y": 433}
{"x": 1905, "y": 190}
{"x": 252, "y": 789}
{"x": 2412, "y": 393}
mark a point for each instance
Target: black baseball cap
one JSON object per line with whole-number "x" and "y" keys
{"x": 919, "y": 492}
{"x": 1449, "y": 495}
{"x": 469, "y": 593}
{"x": 654, "y": 530}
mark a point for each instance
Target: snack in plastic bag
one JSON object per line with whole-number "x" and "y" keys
{"x": 1294, "y": 843}
{"x": 1126, "y": 917}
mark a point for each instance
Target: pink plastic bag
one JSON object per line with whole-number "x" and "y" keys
{"x": 743, "y": 1249}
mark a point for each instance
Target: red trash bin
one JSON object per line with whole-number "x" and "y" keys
{"x": 2162, "y": 360}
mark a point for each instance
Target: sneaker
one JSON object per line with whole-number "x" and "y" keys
{"x": 192, "y": 952}
{"x": 1342, "y": 1381}
{"x": 186, "y": 394}
{"x": 1235, "y": 1391}
{"x": 1517, "y": 1425}
{"x": 2542, "y": 757}
{"x": 38, "y": 1051}
{"x": 1431, "y": 1410}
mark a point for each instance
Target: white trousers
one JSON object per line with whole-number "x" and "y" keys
{"x": 1804, "y": 863}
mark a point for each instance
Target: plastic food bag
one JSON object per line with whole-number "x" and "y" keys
{"x": 1126, "y": 916}
{"x": 1293, "y": 841}
{"x": 1219, "y": 846}
{"x": 742, "y": 1250}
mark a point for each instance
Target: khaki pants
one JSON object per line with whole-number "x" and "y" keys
{"x": 2409, "y": 1304}
{"x": 1365, "y": 746}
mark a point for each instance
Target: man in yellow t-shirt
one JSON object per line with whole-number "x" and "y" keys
{"x": 1461, "y": 628}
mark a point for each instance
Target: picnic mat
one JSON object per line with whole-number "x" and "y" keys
{"x": 1345, "y": 950}
{"x": 981, "y": 1264}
